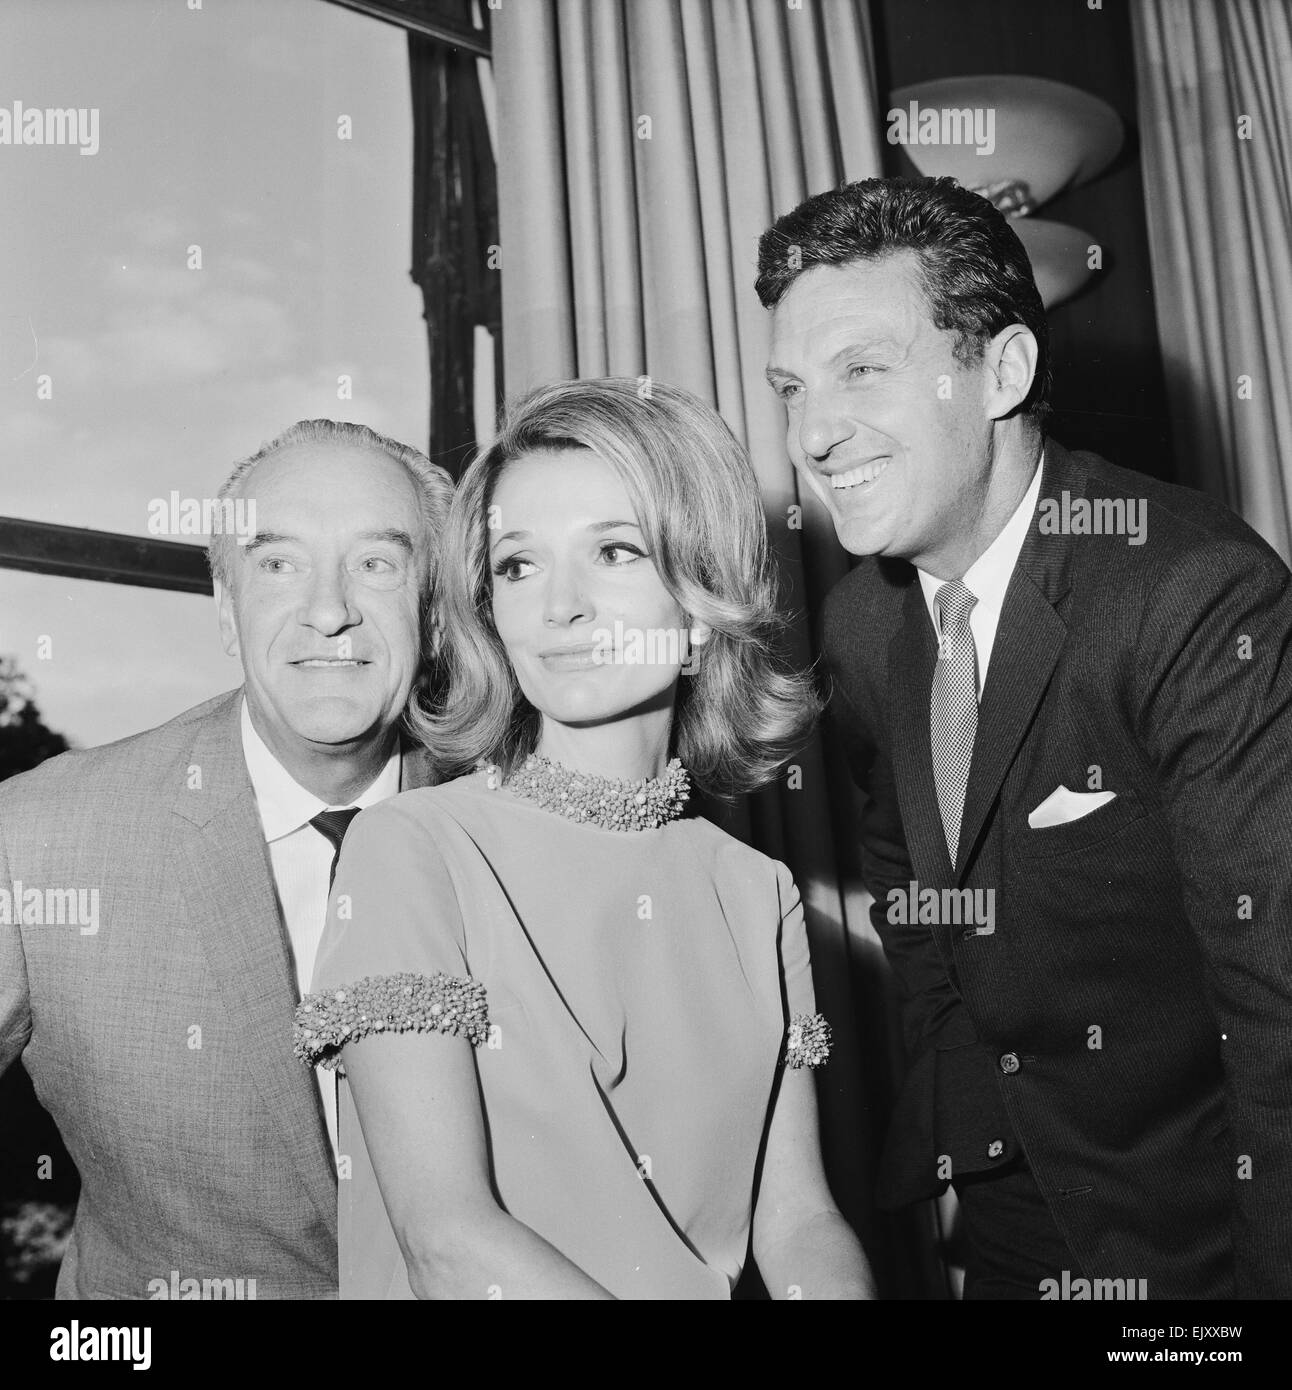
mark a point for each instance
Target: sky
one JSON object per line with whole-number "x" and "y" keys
{"x": 217, "y": 128}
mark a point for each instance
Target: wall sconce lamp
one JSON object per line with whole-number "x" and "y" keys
{"x": 1019, "y": 141}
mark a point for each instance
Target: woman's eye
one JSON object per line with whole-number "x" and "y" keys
{"x": 788, "y": 390}
{"x": 513, "y": 569}
{"x": 376, "y": 564}
{"x": 614, "y": 550}
{"x": 860, "y": 369}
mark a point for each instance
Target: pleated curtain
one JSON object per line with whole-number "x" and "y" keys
{"x": 1215, "y": 111}
{"x": 643, "y": 146}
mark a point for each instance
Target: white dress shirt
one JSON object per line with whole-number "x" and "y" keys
{"x": 988, "y": 578}
{"x": 301, "y": 858}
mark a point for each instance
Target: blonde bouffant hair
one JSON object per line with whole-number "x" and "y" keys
{"x": 744, "y": 711}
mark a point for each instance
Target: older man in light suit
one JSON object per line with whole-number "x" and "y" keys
{"x": 159, "y": 1036}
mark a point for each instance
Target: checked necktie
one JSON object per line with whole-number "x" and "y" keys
{"x": 333, "y": 825}
{"x": 953, "y": 707}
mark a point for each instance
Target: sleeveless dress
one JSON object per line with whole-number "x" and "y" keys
{"x": 629, "y": 995}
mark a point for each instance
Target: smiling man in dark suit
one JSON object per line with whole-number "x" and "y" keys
{"x": 1067, "y": 689}
{"x": 160, "y": 1036}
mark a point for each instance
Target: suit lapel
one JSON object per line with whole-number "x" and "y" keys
{"x": 230, "y": 891}
{"x": 1029, "y": 638}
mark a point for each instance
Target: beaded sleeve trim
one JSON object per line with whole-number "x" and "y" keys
{"x": 807, "y": 1041}
{"x": 403, "y": 1003}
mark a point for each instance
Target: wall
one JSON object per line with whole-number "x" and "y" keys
{"x": 1108, "y": 382}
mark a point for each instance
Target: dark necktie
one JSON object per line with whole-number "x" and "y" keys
{"x": 333, "y": 825}
{"x": 953, "y": 707}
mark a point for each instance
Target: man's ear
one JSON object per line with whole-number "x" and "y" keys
{"x": 1010, "y": 359}
{"x": 228, "y": 624}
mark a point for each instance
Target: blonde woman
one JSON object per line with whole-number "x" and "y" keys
{"x": 576, "y": 1024}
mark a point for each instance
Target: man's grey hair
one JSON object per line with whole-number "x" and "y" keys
{"x": 434, "y": 485}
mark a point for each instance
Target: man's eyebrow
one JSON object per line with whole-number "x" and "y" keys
{"x": 392, "y": 534}
{"x": 856, "y": 345}
{"x": 263, "y": 538}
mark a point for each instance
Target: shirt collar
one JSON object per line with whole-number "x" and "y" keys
{"x": 285, "y": 805}
{"x": 989, "y": 575}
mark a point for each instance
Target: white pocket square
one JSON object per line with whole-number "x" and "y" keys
{"x": 1063, "y": 806}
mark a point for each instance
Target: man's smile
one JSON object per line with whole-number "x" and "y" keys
{"x": 863, "y": 474}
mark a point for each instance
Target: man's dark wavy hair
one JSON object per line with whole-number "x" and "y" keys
{"x": 974, "y": 272}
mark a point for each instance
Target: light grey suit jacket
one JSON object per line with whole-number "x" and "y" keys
{"x": 162, "y": 1042}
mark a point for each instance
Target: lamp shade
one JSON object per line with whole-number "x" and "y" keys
{"x": 994, "y": 130}
{"x": 1059, "y": 256}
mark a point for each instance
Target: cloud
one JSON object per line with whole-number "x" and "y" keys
{"x": 155, "y": 229}
{"x": 27, "y": 428}
{"x": 162, "y": 326}
{"x": 251, "y": 272}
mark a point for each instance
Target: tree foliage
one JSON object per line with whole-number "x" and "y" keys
{"x": 24, "y": 738}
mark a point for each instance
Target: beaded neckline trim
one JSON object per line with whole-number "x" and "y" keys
{"x": 608, "y": 802}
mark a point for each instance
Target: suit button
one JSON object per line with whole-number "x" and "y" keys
{"x": 995, "y": 1148}
{"x": 1009, "y": 1063}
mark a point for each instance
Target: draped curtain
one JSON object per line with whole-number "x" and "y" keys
{"x": 1215, "y": 109}
{"x": 643, "y": 146}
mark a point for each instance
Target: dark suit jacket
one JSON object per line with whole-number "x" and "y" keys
{"x": 162, "y": 1042}
{"x": 1129, "y": 1020}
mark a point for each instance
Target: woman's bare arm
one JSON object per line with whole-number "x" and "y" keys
{"x": 803, "y": 1246}
{"x": 418, "y": 1101}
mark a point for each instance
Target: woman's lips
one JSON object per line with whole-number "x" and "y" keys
{"x": 580, "y": 658}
